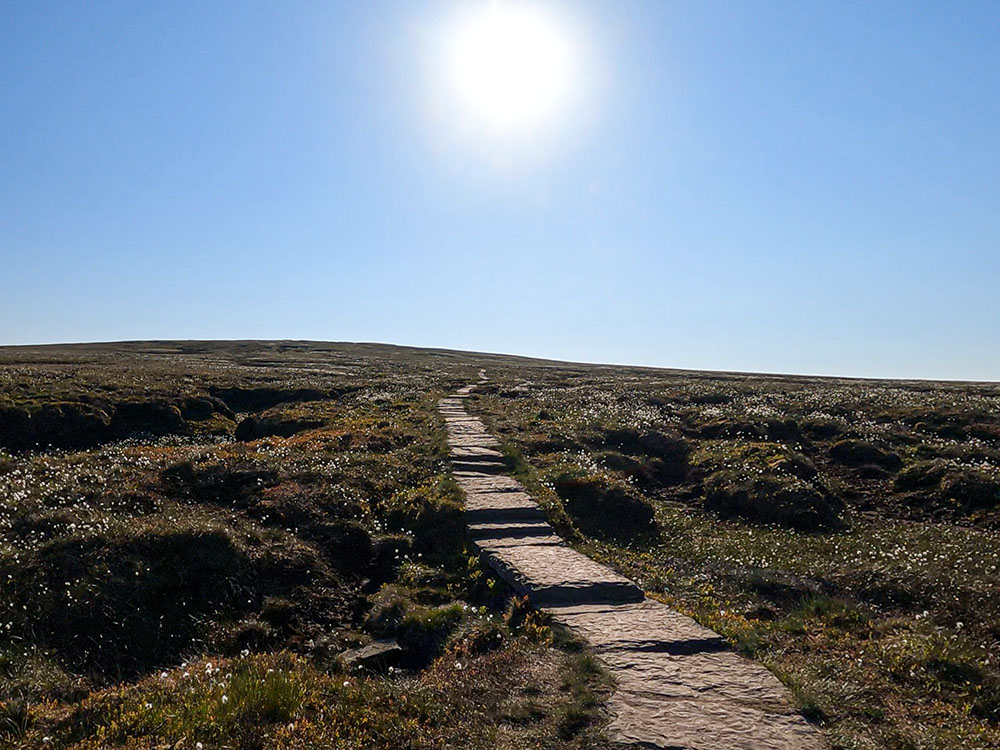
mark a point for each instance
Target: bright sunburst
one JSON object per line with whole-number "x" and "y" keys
{"x": 511, "y": 66}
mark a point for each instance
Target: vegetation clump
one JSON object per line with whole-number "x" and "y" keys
{"x": 972, "y": 489}
{"x": 859, "y": 453}
{"x": 962, "y": 491}
{"x": 603, "y": 506}
{"x": 652, "y": 457}
{"x": 433, "y": 514}
{"x": 254, "y": 428}
{"x": 124, "y": 607}
{"x": 923, "y": 475}
{"x": 90, "y": 422}
{"x": 771, "y": 498}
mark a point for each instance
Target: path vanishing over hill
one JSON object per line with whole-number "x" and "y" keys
{"x": 679, "y": 686}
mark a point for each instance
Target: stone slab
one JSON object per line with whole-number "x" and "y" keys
{"x": 476, "y": 482}
{"x": 475, "y": 453}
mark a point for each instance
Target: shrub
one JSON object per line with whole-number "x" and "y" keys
{"x": 60, "y": 424}
{"x": 481, "y": 638}
{"x": 155, "y": 417}
{"x": 125, "y": 605}
{"x": 345, "y": 544}
{"x": 218, "y": 480}
{"x": 667, "y": 454}
{"x": 389, "y": 552}
{"x": 771, "y": 429}
{"x": 277, "y": 611}
{"x": 822, "y": 429}
{"x": 274, "y": 425}
{"x": 938, "y": 479}
{"x": 389, "y": 607}
{"x": 200, "y": 408}
{"x": 258, "y": 399}
{"x": 15, "y": 427}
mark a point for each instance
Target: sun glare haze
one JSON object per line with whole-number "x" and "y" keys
{"x": 511, "y": 66}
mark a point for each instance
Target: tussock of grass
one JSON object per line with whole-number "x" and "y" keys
{"x": 603, "y": 506}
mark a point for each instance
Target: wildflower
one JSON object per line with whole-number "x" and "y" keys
{"x": 163, "y": 675}
{"x": 225, "y": 699}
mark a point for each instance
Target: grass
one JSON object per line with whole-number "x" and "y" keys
{"x": 881, "y": 616}
{"x": 142, "y": 539}
{"x": 191, "y": 571}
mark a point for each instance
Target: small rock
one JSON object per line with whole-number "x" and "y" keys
{"x": 377, "y": 656}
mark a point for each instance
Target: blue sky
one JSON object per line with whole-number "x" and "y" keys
{"x": 759, "y": 186}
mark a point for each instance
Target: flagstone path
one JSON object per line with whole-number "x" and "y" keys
{"x": 679, "y": 686}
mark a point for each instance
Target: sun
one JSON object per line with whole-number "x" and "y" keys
{"x": 511, "y": 66}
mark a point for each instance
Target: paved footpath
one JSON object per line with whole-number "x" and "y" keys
{"x": 678, "y": 684}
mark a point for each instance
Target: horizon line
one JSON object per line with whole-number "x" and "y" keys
{"x": 633, "y": 366}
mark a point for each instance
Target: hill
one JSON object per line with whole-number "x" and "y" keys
{"x": 198, "y": 540}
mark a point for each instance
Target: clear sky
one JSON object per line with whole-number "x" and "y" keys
{"x": 808, "y": 187}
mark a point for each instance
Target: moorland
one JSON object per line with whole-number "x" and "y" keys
{"x": 259, "y": 544}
